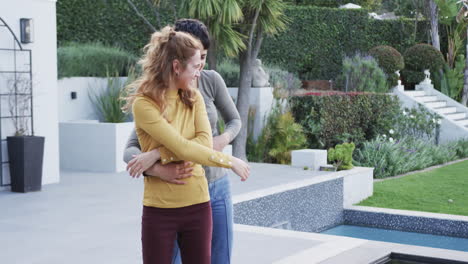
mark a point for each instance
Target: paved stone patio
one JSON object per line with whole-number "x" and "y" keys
{"x": 95, "y": 218}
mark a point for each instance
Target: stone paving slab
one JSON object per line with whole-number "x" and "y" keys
{"x": 95, "y": 218}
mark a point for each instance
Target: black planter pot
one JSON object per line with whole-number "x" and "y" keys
{"x": 26, "y": 154}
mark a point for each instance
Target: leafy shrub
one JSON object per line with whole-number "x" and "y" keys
{"x": 287, "y": 136}
{"x": 342, "y": 156}
{"x": 394, "y": 157}
{"x": 333, "y": 118}
{"x": 278, "y": 138}
{"x": 283, "y": 80}
{"x": 419, "y": 58}
{"x": 390, "y": 60}
{"x": 93, "y": 60}
{"x": 450, "y": 81}
{"x": 416, "y": 123}
{"x": 363, "y": 74}
{"x": 108, "y": 102}
{"x": 461, "y": 148}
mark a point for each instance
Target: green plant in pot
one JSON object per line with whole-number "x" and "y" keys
{"x": 25, "y": 151}
{"x": 342, "y": 156}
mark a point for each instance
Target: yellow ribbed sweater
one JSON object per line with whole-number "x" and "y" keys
{"x": 183, "y": 134}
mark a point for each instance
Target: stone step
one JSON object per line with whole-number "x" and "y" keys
{"x": 426, "y": 98}
{"x": 462, "y": 122}
{"x": 445, "y": 110}
{"x": 435, "y": 104}
{"x": 455, "y": 116}
{"x": 415, "y": 93}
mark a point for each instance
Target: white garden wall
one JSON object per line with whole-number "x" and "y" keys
{"x": 261, "y": 99}
{"x": 44, "y": 70}
{"x": 81, "y": 107}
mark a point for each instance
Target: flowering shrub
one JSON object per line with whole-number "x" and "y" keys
{"x": 391, "y": 157}
{"x": 332, "y": 118}
{"x": 417, "y": 123}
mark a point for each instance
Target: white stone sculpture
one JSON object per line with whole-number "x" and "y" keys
{"x": 399, "y": 86}
{"x": 259, "y": 76}
{"x": 426, "y": 84}
{"x": 427, "y": 79}
{"x": 398, "y": 74}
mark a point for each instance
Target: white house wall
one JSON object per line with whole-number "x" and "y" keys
{"x": 44, "y": 70}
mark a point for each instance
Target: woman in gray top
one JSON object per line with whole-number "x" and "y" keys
{"x": 217, "y": 98}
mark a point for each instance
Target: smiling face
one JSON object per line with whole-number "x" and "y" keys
{"x": 188, "y": 74}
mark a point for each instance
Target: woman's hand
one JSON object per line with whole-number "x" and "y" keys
{"x": 172, "y": 172}
{"x": 240, "y": 168}
{"x": 141, "y": 162}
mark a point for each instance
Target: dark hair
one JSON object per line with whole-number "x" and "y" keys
{"x": 196, "y": 28}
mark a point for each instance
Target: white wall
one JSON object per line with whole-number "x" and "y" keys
{"x": 80, "y": 108}
{"x": 261, "y": 99}
{"x": 44, "y": 69}
{"x": 100, "y": 146}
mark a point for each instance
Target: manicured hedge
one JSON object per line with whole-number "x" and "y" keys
{"x": 93, "y": 60}
{"x": 109, "y": 22}
{"x": 318, "y": 38}
{"x": 335, "y": 3}
{"x": 316, "y": 41}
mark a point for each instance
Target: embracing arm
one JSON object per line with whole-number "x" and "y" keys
{"x": 148, "y": 118}
{"x": 132, "y": 147}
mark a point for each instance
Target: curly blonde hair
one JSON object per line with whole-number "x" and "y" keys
{"x": 164, "y": 47}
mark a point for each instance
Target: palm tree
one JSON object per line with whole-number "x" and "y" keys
{"x": 219, "y": 16}
{"x": 261, "y": 17}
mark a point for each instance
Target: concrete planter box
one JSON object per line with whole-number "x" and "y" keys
{"x": 92, "y": 146}
{"x": 79, "y": 106}
{"x": 358, "y": 185}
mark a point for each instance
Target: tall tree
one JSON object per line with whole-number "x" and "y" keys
{"x": 219, "y": 16}
{"x": 452, "y": 14}
{"x": 261, "y": 17}
{"x": 434, "y": 16}
{"x": 462, "y": 18}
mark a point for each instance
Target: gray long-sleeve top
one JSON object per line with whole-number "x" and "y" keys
{"x": 217, "y": 98}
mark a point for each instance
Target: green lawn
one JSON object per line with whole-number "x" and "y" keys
{"x": 427, "y": 191}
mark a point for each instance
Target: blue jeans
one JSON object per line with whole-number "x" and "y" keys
{"x": 221, "y": 204}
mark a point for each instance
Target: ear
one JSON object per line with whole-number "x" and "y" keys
{"x": 176, "y": 66}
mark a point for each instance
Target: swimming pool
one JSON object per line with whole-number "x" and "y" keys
{"x": 393, "y": 236}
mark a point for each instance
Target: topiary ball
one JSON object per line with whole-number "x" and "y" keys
{"x": 423, "y": 56}
{"x": 389, "y": 59}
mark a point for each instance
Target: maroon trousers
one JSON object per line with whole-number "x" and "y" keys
{"x": 192, "y": 225}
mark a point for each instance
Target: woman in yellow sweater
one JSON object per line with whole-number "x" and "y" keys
{"x": 170, "y": 115}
